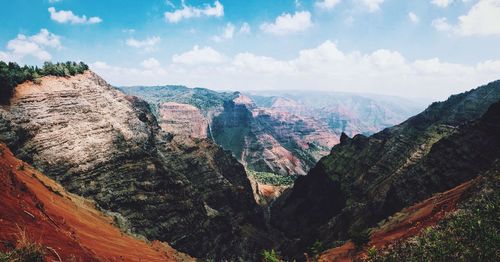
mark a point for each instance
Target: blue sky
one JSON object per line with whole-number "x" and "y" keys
{"x": 420, "y": 48}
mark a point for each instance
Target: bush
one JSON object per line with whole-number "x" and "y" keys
{"x": 12, "y": 74}
{"x": 359, "y": 236}
{"x": 316, "y": 249}
{"x": 25, "y": 250}
{"x": 270, "y": 256}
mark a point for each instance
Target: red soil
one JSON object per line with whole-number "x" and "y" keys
{"x": 63, "y": 223}
{"x": 407, "y": 223}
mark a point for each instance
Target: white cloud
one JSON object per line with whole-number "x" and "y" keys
{"x": 227, "y": 34}
{"x": 327, "y": 4}
{"x": 147, "y": 45}
{"x": 372, "y": 5}
{"x": 287, "y": 23}
{"x": 298, "y": 4}
{"x": 483, "y": 19}
{"x": 198, "y": 56}
{"x": 217, "y": 10}
{"x": 245, "y": 28}
{"x": 67, "y": 16}
{"x": 324, "y": 67}
{"x": 150, "y": 63}
{"x": 34, "y": 46}
{"x": 413, "y": 17}
{"x": 442, "y": 3}
{"x": 441, "y": 24}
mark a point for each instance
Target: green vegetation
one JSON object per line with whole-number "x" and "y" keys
{"x": 470, "y": 234}
{"x": 270, "y": 256}
{"x": 360, "y": 236}
{"x": 271, "y": 178}
{"x": 24, "y": 251}
{"x": 12, "y": 74}
{"x": 204, "y": 99}
{"x": 316, "y": 249}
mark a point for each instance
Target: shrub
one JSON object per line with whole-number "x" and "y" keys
{"x": 316, "y": 249}
{"x": 270, "y": 256}
{"x": 25, "y": 251}
{"x": 359, "y": 236}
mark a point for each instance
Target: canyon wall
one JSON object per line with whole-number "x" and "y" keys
{"x": 102, "y": 144}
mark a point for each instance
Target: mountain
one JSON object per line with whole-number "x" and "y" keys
{"x": 104, "y": 145}
{"x": 40, "y": 220}
{"x": 366, "y": 179}
{"x": 282, "y": 134}
{"x": 342, "y": 112}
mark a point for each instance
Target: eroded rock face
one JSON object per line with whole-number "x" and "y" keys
{"x": 271, "y": 140}
{"x": 182, "y": 119}
{"x": 367, "y": 179}
{"x": 101, "y": 144}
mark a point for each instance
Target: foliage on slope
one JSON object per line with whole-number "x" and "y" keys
{"x": 472, "y": 233}
{"x": 12, "y": 74}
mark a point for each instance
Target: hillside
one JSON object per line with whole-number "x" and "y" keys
{"x": 37, "y": 211}
{"x": 366, "y": 179}
{"x": 101, "y": 144}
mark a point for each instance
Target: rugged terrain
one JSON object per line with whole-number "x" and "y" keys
{"x": 367, "y": 179}
{"x": 278, "y": 133}
{"x": 101, "y": 144}
{"x": 35, "y": 210}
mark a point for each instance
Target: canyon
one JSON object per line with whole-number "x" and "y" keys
{"x": 282, "y": 133}
{"x": 196, "y": 174}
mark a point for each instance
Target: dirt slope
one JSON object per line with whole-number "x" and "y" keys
{"x": 38, "y": 206}
{"x": 407, "y": 223}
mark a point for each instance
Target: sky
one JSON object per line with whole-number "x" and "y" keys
{"x": 409, "y": 48}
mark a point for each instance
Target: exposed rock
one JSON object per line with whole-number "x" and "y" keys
{"x": 269, "y": 140}
{"x": 101, "y": 144}
{"x": 182, "y": 119}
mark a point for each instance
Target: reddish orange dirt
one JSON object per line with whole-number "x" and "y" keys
{"x": 64, "y": 223}
{"x": 407, "y": 223}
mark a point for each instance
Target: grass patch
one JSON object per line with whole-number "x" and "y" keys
{"x": 271, "y": 178}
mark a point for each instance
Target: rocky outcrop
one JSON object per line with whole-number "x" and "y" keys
{"x": 366, "y": 179}
{"x": 182, "y": 119}
{"x": 68, "y": 227}
{"x": 101, "y": 144}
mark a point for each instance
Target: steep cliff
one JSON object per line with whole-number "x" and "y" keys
{"x": 35, "y": 210}
{"x": 269, "y": 140}
{"x": 182, "y": 119}
{"x": 366, "y": 179}
{"x": 101, "y": 144}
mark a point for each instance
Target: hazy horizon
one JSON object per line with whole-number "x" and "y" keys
{"x": 414, "y": 49}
